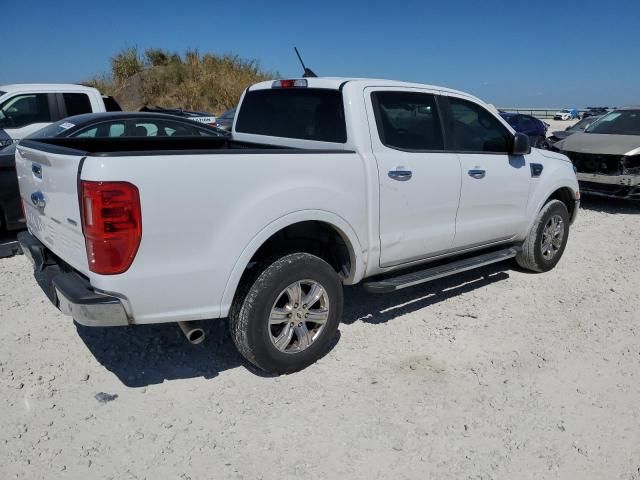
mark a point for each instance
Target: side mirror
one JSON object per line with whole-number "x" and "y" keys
{"x": 521, "y": 144}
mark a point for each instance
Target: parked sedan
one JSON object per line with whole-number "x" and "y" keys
{"x": 606, "y": 155}
{"x": 535, "y": 129}
{"x": 93, "y": 127}
{"x": 578, "y": 127}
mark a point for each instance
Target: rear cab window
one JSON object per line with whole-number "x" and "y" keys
{"x": 300, "y": 113}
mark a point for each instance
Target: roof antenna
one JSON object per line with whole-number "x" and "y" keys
{"x": 307, "y": 71}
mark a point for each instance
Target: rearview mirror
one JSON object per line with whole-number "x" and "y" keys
{"x": 521, "y": 144}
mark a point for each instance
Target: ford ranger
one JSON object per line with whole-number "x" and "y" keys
{"x": 325, "y": 182}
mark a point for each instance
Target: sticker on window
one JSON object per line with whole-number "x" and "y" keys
{"x": 67, "y": 125}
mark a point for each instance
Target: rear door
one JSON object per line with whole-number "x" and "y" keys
{"x": 48, "y": 178}
{"x": 495, "y": 184}
{"x": 419, "y": 181}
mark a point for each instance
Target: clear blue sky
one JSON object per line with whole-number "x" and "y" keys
{"x": 534, "y": 53}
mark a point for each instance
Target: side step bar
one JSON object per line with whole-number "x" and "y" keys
{"x": 415, "y": 278}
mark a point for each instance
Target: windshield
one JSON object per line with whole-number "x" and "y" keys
{"x": 582, "y": 124}
{"x": 621, "y": 122}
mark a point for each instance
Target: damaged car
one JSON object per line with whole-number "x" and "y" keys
{"x": 606, "y": 156}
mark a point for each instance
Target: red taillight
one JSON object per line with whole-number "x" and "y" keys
{"x": 112, "y": 225}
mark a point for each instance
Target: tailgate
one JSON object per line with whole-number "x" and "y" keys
{"x": 48, "y": 178}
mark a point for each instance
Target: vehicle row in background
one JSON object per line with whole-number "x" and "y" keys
{"x": 566, "y": 114}
{"x": 595, "y": 112}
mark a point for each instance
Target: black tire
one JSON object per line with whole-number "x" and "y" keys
{"x": 250, "y": 313}
{"x": 531, "y": 256}
{"x": 540, "y": 141}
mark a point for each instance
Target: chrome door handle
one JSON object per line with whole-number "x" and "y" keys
{"x": 478, "y": 174}
{"x": 400, "y": 175}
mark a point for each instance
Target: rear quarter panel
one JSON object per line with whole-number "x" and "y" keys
{"x": 202, "y": 214}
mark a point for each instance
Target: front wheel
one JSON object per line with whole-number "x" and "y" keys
{"x": 285, "y": 319}
{"x": 547, "y": 239}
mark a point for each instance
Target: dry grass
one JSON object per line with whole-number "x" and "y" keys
{"x": 194, "y": 81}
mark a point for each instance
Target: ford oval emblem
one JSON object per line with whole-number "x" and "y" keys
{"x": 37, "y": 198}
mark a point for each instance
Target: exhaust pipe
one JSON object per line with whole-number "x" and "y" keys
{"x": 195, "y": 335}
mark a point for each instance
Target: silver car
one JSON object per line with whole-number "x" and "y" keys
{"x": 607, "y": 155}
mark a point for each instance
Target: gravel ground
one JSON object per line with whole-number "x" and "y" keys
{"x": 490, "y": 374}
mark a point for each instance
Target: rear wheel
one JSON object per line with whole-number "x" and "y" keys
{"x": 547, "y": 239}
{"x": 285, "y": 319}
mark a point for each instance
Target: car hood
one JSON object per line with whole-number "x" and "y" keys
{"x": 600, "y": 143}
{"x": 553, "y": 155}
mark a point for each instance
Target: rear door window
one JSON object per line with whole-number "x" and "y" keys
{"x": 408, "y": 121}
{"x": 103, "y": 130}
{"x": 168, "y": 128}
{"x": 475, "y": 129}
{"x": 301, "y": 113}
{"x": 26, "y": 109}
{"x": 77, "y": 103}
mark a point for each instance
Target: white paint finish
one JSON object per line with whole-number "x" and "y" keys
{"x": 196, "y": 227}
{"x": 53, "y": 224}
{"x": 492, "y": 208}
{"x": 205, "y": 215}
{"x": 417, "y": 216}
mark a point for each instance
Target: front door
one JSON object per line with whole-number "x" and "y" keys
{"x": 495, "y": 184}
{"x": 25, "y": 113}
{"x": 419, "y": 181}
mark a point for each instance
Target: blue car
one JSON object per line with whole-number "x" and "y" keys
{"x": 535, "y": 129}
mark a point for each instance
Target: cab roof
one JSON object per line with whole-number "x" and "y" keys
{"x": 336, "y": 83}
{"x": 45, "y": 87}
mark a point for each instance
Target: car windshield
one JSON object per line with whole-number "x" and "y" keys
{"x": 582, "y": 124}
{"x": 621, "y": 122}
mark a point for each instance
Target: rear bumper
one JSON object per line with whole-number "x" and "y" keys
{"x": 69, "y": 291}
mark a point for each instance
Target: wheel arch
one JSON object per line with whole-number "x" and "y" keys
{"x": 563, "y": 192}
{"x": 327, "y": 220}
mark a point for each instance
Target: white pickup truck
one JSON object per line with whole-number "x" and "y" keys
{"x": 28, "y": 107}
{"x": 327, "y": 182}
